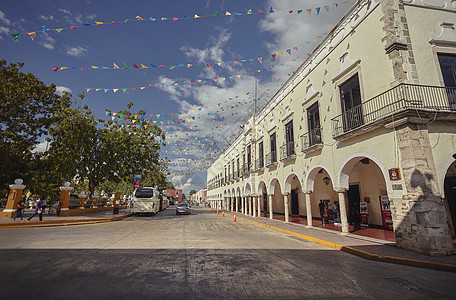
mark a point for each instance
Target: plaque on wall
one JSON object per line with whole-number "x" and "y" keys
{"x": 394, "y": 174}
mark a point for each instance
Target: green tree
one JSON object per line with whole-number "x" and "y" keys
{"x": 103, "y": 155}
{"x": 27, "y": 109}
{"x": 192, "y": 192}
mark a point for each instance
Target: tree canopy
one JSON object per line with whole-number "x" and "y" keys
{"x": 27, "y": 109}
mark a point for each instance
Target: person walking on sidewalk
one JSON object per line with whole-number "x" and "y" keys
{"x": 19, "y": 210}
{"x": 38, "y": 210}
{"x": 321, "y": 206}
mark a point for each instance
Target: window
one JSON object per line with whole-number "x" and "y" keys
{"x": 273, "y": 148}
{"x": 261, "y": 154}
{"x": 448, "y": 67}
{"x": 238, "y": 171}
{"x": 289, "y": 138}
{"x": 313, "y": 123}
{"x": 249, "y": 156}
{"x": 232, "y": 164}
{"x": 350, "y": 97}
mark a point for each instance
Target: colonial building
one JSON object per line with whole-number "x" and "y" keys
{"x": 368, "y": 121}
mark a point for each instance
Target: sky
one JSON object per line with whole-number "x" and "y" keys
{"x": 191, "y": 65}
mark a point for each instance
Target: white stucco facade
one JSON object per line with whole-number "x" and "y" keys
{"x": 369, "y": 100}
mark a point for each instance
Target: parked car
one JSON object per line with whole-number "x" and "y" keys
{"x": 183, "y": 208}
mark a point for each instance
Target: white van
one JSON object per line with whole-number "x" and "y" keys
{"x": 145, "y": 201}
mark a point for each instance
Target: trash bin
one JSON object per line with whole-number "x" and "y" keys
{"x": 115, "y": 211}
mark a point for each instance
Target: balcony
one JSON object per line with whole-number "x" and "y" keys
{"x": 404, "y": 100}
{"x": 259, "y": 164}
{"x": 245, "y": 169}
{"x": 271, "y": 158}
{"x": 311, "y": 141}
{"x": 287, "y": 151}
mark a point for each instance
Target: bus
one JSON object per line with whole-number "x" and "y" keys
{"x": 146, "y": 201}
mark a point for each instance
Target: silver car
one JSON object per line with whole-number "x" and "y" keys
{"x": 183, "y": 208}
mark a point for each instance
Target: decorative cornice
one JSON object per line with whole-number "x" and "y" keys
{"x": 396, "y": 46}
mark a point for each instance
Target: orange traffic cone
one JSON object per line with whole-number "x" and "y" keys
{"x": 217, "y": 212}
{"x": 234, "y": 218}
{"x": 223, "y": 214}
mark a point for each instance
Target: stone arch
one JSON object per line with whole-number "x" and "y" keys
{"x": 365, "y": 180}
{"x": 247, "y": 189}
{"x": 443, "y": 173}
{"x": 272, "y": 185}
{"x": 310, "y": 180}
{"x": 261, "y": 186}
{"x": 288, "y": 182}
{"x": 350, "y": 163}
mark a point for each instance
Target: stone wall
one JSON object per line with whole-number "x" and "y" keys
{"x": 419, "y": 217}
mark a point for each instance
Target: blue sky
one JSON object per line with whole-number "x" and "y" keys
{"x": 213, "y": 40}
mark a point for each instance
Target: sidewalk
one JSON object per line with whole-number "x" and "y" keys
{"x": 365, "y": 247}
{"x": 53, "y": 220}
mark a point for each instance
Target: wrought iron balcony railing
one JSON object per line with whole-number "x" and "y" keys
{"x": 311, "y": 138}
{"x": 259, "y": 164}
{"x": 271, "y": 158}
{"x": 397, "y": 101}
{"x": 287, "y": 150}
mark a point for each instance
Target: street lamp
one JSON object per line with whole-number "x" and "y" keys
{"x": 326, "y": 180}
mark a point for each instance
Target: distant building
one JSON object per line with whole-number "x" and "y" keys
{"x": 176, "y": 194}
{"x": 367, "y": 121}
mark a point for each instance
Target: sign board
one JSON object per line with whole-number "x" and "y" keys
{"x": 394, "y": 174}
{"x": 386, "y": 213}
{"x": 364, "y": 213}
{"x": 137, "y": 181}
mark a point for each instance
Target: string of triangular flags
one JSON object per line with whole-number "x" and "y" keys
{"x": 261, "y": 59}
{"x": 218, "y": 80}
{"x": 316, "y": 11}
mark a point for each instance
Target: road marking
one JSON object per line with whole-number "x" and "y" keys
{"x": 202, "y": 226}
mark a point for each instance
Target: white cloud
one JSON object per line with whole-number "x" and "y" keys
{"x": 48, "y": 42}
{"x": 4, "y": 30}
{"x": 44, "y": 18}
{"x": 60, "y": 89}
{"x": 290, "y": 30}
{"x": 4, "y": 19}
{"x": 76, "y": 51}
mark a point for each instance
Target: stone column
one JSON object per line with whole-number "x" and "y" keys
{"x": 419, "y": 216}
{"x": 259, "y": 205}
{"x": 308, "y": 208}
{"x": 65, "y": 191}
{"x": 250, "y": 206}
{"x": 285, "y": 203}
{"x": 95, "y": 200}
{"x": 242, "y": 204}
{"x": 343, "y": 210}
{"x": 14, "y": 197}
{"x": 231, "y": 203}
{"x": 270, "y": 207}
{"x": 82, "y": 198}
{"x": 254, "y": 211}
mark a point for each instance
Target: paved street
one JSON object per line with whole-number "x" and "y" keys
{"x": 199, "y": 256}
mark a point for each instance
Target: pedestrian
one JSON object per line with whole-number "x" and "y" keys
{"x": 336, "y": 209}
{"x": 20, "y": 206}
{"x": 321, "y": 207}
{"x": 38, "y": 210}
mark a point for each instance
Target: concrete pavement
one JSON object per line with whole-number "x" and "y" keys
{"x": 368, "y": 248}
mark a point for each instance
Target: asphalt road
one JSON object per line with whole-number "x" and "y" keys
{"x": 197, "y": 256}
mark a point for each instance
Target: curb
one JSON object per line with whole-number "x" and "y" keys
{"x": 63, "y": 222}
{"x": 360, "y": 253}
